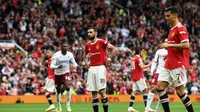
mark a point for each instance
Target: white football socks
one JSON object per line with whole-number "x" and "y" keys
{"x": 149, "y": 100}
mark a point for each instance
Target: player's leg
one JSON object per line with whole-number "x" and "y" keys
{"x": 180, "y": 90}
{"x": 58, "y": 97}
{"x": 152, "y": 91}
{"x": 143, "y": 87}
{"x": 101, "y": 86}
{"x": 163, "y": 81}
{"x": 104, "y": 99}
{"x": 91, "y": 86}
{"x": 49, "y": 87}
{"x": 132, "y": 98}
{"x": 67, "y": 84}
{"x": 164, "y": 100}
{"x": 58, "y": 92}
{"x": 180, "y": 75}
{"x": 51, "y": 105}
{"x": 95, "y": 101}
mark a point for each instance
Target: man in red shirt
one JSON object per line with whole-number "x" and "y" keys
{"x": 174, "y": 71}
{"x": 139, "y": 83}
{"x": 96, "y": 79}
{"x": 50, "y": 83}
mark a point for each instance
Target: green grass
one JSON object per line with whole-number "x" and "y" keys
{"x": 86, "y": 107}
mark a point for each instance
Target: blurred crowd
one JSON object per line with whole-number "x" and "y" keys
{"x": 36, "y": 25}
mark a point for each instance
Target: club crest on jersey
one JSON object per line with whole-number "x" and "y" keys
{"x": 97, "y": 46}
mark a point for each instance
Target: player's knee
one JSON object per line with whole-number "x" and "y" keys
{"x": 161, "y": 86}
{"x": 94, "y": 94}
{"x": 153, "y": 89}
{"x": 102, "y": 93}
{"x": 145, "y": 91}
{"x": 134, "y": 93}
{"x": 180, "y": 90}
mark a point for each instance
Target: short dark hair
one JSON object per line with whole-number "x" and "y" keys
{"x": 64, "y": 42}
{"x": 138, "y": 50}
{"x": 94, "y": 28}
{"x": 173, "y": 9}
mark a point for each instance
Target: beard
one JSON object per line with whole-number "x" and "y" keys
{"x": 91, "y": 37}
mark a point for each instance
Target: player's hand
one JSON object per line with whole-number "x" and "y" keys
{"x": 164, "y": 45}
{"x": 108, "y": 62}
{"x": 151, "y": 74}
{"x": 60, "y": 66}
{"x": 146, "y": 69}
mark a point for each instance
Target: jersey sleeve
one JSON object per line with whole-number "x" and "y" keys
{"x": 86, "y": 49}
{"x": 183, "y": 34}
{"x": 104, "y": 43}
{"x": 139, "y": 60}
{"x": 54, "y": 62}
{"x": 72, "y": 60}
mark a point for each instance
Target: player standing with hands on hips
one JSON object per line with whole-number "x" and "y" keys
{"x": 60, "y": 64}
{"x": 174, "y": 69}
{"x": 96, "y": 79}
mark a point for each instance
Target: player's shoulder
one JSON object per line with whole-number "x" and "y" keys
{"x": 161, "y": 51}
{"x": 180, "y": 27}
{"x": 57, "y": 53}
{"x": 88, "y": 43}
{"x": 136, "y": 57}
{"x": 102, "y": 41}
{"x": 69, "y": 53}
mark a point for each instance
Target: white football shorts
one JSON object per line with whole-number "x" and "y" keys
{"x": 176, "y": 77}
{"x": 50, "y": 85}
{"x": 96, "y": 78}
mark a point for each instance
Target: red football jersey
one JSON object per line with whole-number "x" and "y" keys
{"x": 176, "y": 57}
{"x": 137, "y": 71}
{"x": 97, "y": 52}
{"x": 50, "y": 71}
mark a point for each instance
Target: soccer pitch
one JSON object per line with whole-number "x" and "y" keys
{"x": 87, "y": 107}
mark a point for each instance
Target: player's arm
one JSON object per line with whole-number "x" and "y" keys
{"x": 142, "y": 65}
{"x": 113, "y": 50}
{"x": 183, "y": 45}
{"x": 54, "y": 62}
{"x": 85, "y": 56}
{"x": 183, "y": 36}
{"x": 72, "y": 60}
{"x": 154, "y": 63}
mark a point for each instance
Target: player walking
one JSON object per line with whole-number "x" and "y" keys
{"x": 138, "y": 80}
{"x": 60, "y": 64}
{"x": 50, "y": 83}
{"x": 174, "y": 69}
{"x": 96, "y": 80}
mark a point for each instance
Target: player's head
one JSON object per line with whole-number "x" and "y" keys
{"x": 48, "y": 53}
{"x": 64, "y": 46}
{"x": 171, "y": 14}
{"x": 92, "y": 33}
{"x": 143, "y": 53}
